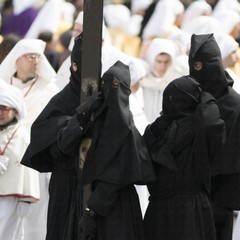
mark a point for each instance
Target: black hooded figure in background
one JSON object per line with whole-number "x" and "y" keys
{"x": 116, "y": 160}
{"x": 206, "y": 67}
{"x": 55, "y": 139}
{"x": 182, "y": 143}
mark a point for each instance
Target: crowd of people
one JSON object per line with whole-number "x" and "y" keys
{"x": 152, "y": 153}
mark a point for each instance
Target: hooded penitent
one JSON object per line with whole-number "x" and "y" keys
{"x": 181, "y": 152}
{"x": 180, "y": 97}
{"x": 214, "y": 80}
{"x": 45, "y": 155}
{"x": 11, "y": 96}
{"x": 117, "y": 154}
{"x": 210, "y": 73}
{"x": 182, "y": 130}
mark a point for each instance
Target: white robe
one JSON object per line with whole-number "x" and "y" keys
{"x": 153, "y": 86}
{"x": 17, "y": 183}
{"x": 140, "y": 120}
{"x": 37, "y": 95}
{"x": 137, "y": 108}
{"x": 236, "y": 79}
{"x": 236, "y": 228}
{"x": 36, "y": 99}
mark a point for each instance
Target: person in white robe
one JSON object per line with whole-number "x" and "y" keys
{"x": 166, "y": 18}
{"x": 138, "y": 70}
{"x": 139, "y": 6}
{"x": 27, "y": 68}
{"x": 19, "y": 185}
{"x": 230, "y": 52}
{"x": 55, "y": 16}
{"x": 123, "y": 27}
{"x": 195, "y": 9}
{"x": 171, "y": 14}
{"x": 161, "y": 57}
{"x": 202, "y": 24}
{"x": 230, "y": 22}
{"x": 223, "y": 5}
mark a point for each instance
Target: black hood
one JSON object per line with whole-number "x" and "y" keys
{"x": 211, "y": 76}
{"x": 76, "y": 57}
{"x": 181, "y": 97}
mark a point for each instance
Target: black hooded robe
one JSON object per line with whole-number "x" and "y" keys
{"x": 54, "y": 147}
{"x": 182, "y": 151}
{"x": 48, "y": 135}
{"x": 225, "y": 192}
{"x": 116, "y": 160}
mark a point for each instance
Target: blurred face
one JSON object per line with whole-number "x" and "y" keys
{"x": 7, "y": 114}
{"x": 162, "y": 63}
{"x": 28, "y": 65}
{"x": 231, "y": 60}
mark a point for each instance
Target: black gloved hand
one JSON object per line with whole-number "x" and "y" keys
{"x": 85, "y": 110}
{"x": 207, "y": 110}
{"x": 88, "y": 225}
{"x": 160, "y": 124}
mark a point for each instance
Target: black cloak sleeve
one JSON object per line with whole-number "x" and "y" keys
{"x": 46, "y": 145}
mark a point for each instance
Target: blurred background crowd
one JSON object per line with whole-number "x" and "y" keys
{"x": 151, "y": 36}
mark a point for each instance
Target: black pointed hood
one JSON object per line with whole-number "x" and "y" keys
{"x": 118, "y": 153}
{"x": 211, "y": 75}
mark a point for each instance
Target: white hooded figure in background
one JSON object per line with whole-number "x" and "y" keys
{"x": 230, "y": 22}
{"x": 51, "y": 16}
{"x": 202, "y": 24}
{"x": 27, "y": 68}
{"x": 166, "y": 18}
{"x": 223, "y": 5}
{"x": 63, "y": 73}
{"x": 229, "y": 48}
{"x": 196, "y": 9}
{"x": 124, "y": 27}
{"x": 138, "y": 70}
{"x": 161, "y": 57}
{"x": 139, "y": 6}
{"x": 19, "y": 185}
